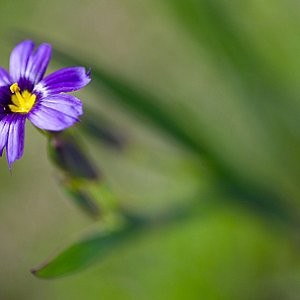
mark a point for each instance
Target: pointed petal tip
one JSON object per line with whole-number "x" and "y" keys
{"x": 26, "y": 41}
{"x": 88, "y": 73}
{"x": 10, "y": 162}
{"x": 85, "y": 75}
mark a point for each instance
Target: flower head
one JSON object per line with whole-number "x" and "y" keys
{"x": 25, "y": 94}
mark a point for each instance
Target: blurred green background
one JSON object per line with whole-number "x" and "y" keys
{"x": 226, "y": 73}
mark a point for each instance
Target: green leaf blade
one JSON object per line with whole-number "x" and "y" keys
{"x": 83, "y": 253}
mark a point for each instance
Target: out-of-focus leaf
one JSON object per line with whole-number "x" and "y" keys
{"x": 84, "y": 252}
{"x": 96, "y": 245}
{"x": 66, "y": 153}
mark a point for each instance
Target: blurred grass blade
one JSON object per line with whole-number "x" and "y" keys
{"x": 84, "y": 252}
{"x": 209, "y": 23}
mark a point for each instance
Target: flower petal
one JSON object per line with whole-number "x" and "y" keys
{"x": 38, "y": 63}
{"x": 4, "y": 128}
{"x": 5, "y": 78}
{"x": 68, "y": 104}
{"x": 62, "y": 81}
{"x": 19, "y": 59}
{"x": 15, "y": 138}
{"x": 56, "y": 113}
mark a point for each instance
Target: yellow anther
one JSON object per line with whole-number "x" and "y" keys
{"x": 14, "y": 88}
{"x": 21, "y": 102}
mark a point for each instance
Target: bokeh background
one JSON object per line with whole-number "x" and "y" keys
{"x": 227, "y": 74}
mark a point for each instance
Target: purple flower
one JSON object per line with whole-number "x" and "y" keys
{"x": 25, "y": 94}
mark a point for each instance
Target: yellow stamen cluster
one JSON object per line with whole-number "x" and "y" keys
{"x": 22, "y": 101}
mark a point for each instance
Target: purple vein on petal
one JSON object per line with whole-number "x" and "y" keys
{"x": 38, "y": 63}
{"x": 15, "y": 139}
{"x": 19, "y": 59}
{"x": 5, "y": 78}
{"x": 4, "y": 128}
{"x": 63, "y": 80}
{"x": 47, "y": 118}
